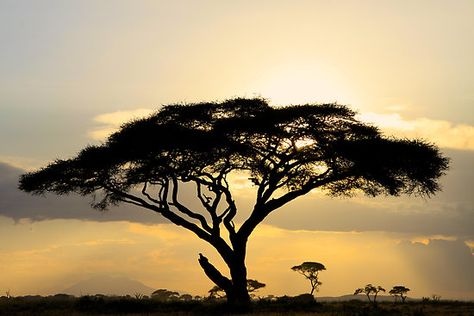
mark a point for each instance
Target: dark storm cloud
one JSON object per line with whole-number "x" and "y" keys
{"x": 18, "y": 205}
{"x": 447, "y": 266}
{"x": 450, "y": 212}
{"x": 430, "y": 218}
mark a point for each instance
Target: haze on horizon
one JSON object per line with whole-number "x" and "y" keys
{"x": 72, "y": 72}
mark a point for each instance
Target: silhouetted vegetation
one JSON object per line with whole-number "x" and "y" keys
{"x": 252, "y": 286}
{"x": 164, "y": 295}
{"x": 368, "y": 290}
{"x": 285, "y": 152}
{"x": 399, "y": 291}
{"x": 300, "y": 305}
{"x": 310, "y": 270}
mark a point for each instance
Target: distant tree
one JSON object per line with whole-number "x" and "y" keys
{"x": 186, "y": 297}
{"x": 399, "y": 291}
{"x": 368, "y": 290}
{"x": 435, "y": 298}
{"x": 216, "y": 292}
{"x": 164, "y": 295}
{"x": 310, "y": 270}
{"x": 252, "y": 286}
{"x": 138, "y": 295}
{"x": 286, "y": 152}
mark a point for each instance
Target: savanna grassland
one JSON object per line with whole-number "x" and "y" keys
{"x": 94, "y": 305}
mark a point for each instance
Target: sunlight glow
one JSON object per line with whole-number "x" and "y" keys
{"x": 303, "y": 83}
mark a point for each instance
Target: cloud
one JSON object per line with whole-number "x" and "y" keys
{"x": 443, "y": 133}
{"x": 163, "y": 255}
{"x": 18, "y": 205}
{"x": 449, "y": 213}
{"x": 444, "y": 265}
{"x": 110, "y": 122}
{"x": 20, "y": 162}
{"x": 395, "y": 215}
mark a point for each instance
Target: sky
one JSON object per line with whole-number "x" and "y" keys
{"x": 72, "y": 71}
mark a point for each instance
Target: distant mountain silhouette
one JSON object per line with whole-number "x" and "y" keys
{"x": 108, "y": 285}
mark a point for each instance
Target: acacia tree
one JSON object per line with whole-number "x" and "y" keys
{"x": 286, "y": 152}
{"x": 164, "y": 295}
{"x": 252, "y": 286}
{"x": 399, "y": 291}
{"x": 370, "y": 289}
{"x": 310, "y": 270}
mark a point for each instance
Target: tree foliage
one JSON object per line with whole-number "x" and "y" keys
{"x": 285, "y": 151}
{"x": 370, "y": 289}
{"x": 399, "y": 291}
{"x": 252, "y": 286}
{"x": 310, "y": 270}
{"x": 164, "y": 295}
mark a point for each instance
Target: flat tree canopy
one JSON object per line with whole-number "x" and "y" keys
{"x": 310, "y": 270}
{"x": 286, "y": 152}
{"x": 399, "y": 290}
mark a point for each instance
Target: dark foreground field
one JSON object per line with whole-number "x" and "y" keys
{"x": 92, "y": 305}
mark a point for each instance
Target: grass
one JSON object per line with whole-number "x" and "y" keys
{"x": 98, "y": 306}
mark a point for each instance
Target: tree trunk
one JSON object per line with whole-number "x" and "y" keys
{"x": 368, "y": 296}
{"x": 236, "y": 288}
{"x": 239, "y": 294}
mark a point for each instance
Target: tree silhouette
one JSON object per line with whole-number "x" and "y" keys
{"x": 285, "y": 151}
{"x": 252, "y": 286}
{"x": 164, "y": 295}
{"x": 370, "y": 289}
{"x": 216, "y": 292}
{"x": 185, "y": 297}
{"x": 310, "y": 270}
{"x": 399, "y": 291}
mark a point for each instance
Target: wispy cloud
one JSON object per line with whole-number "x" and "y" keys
{"x": 20, "y": 162}
{"x": 110, "y": 122}
{"x": 443, "y": 133}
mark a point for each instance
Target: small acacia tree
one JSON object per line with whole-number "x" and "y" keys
{"x": 310, "y": 270}
{"x": 164, "y": 295}
{"x": 368, "y": 290}
{"x": 285, "y": 151}
{"x": 216, "y": 292}
{"x": 252, "y": 286}
{"x": 399, "y": 291}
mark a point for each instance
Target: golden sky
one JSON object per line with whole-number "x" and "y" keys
{"x": 72, "y": 71}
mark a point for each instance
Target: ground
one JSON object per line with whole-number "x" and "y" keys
{"x": 99, "y": 305}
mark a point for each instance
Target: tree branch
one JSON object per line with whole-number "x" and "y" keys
{"x": 165, "y": 212}
{"x": 221, "y": 186}
{"x": 148, "y": 195}
{"x": 261, "y": 210}
{"x": 214, "y": 274}
{"x": 205, "y": 200}
{"x": 230, "y": 212}
{"x": 183, "y": 209}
